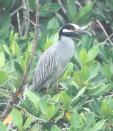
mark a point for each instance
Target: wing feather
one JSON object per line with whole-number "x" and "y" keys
{"x": 45, "y": 68}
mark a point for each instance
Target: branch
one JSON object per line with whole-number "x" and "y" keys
{"x": 15, "y": 11}
{"x": 99, "y": 98}
{"x": 103, "y": 29}
{"x": 14, "y": 99}
{"x": 34, "y": 24}
{"x": 78, "y": 3}
{"x": 109, "y": 37}
{"x": 25, "y": 13}
{"x": 62, "y": 7}
{"x": 18, "y": 20}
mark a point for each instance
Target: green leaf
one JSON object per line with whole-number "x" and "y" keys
{"x": 106, "y": 70}
{"x": 85, "y": 14}
{"x": 28, "y": 53}
{"x": 4, "y": 93}
{"x": 33, "y": 98}
{"x": 22, "y": 63}
{"x": 84, "y": 73}
{"x": 93, "y": 71}
{"x": 98, "y": 126}
{"x": 51, "y": 110}
{"x": 14, "y": 49}
{"x": 27, "y": 122}
{"x": 83, "y": 56}
{"x": 76, "y": 120}
{"x": 49, "y": 8}
{"x": 3, "y": 77}
{"x": 95, "y": 106}
{"x": 79, "y": 93}
{"x": 2, "y": 127}
{"x": 18, "y": 67}
{"x": 32, "y": 5}
{"x": 6, "y": 49}
{"x": 48, "y": 109}
{"x": 92, "y": 53}
{"x": 53, "y": 24}
{"x": 106, "y": 110}
{"x": 50, "y": 41}
{"x": 2, "y": 59}
{"x": 65, "y": 98}
{"x": 17, "y": 118}
{"x": 36, "y": 127}
{"x": 55, "y": 128}
{"x": 71, "y": 10}
{"x": 99, "y": 89}
{"x": 81, "y": 76}
{"x": 77, "y": 77}
{"x": 89, "y": 120}
{"x": 68, "y": 71}
{"x": 5, "y": 23}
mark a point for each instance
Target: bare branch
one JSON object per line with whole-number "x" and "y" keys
{"x": 25, "y": 13}
{"x": 62, "y": 7}
{"x": 15, "y": 11}
{"x": 99, "y": 98}
{"x": 78, "y": 3}
{"x": 108, "y": 38}
{"x": 18, "y": 20}
{"x": 103, "y": 29}
{"x": 34, "y": 24}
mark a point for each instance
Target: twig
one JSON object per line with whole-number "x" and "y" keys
{"x": 31, "y": 21}
{"x": 14, "y": 99}
{"x": 62, "y": 7}
{"x": 99, "y": 98}
{"x": 37, "y": 31}
{"x": 25, "y": 24}
{"x": 108, "y": 38}
{"x": 15, "y": 11}
{"x": 18, "y": 20}
{"x": 102, "y": 27}
{"x": 88, "y": 1}
{"x": 78, "y": 3}
{"x": 24, "y": 110}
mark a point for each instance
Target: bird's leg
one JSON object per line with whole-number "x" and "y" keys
{"x": 57, "y": 87}
{"x": 48, "y": 89}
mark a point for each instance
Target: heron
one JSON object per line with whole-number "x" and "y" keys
{"x": 53, "y": 61}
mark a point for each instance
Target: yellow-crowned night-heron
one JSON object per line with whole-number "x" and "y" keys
{"x": 53, "y": 61}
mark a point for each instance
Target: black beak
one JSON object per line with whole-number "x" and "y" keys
{"x": 83, "y": 32}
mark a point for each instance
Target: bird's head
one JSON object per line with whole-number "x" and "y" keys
{"x": 72, "y": 30}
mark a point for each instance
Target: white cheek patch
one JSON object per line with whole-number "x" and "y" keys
{"x": 66, "y": 30}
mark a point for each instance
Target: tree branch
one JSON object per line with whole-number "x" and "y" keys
{"x": 103, "y": 29}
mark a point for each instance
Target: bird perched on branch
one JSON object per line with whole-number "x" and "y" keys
{"x": 53, "y": 61}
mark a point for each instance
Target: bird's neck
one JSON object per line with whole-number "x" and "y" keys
{"x": 65, "y": 39}
{"x": 66, "y": 43}
{"x": 66, "y": 48}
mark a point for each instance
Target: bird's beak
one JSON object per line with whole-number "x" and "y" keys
{"x": 83, "y": 32}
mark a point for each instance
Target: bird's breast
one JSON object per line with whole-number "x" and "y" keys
{"x": 65, "y": 51}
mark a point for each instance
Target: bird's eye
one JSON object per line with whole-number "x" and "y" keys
{"x": 72, "y": 28}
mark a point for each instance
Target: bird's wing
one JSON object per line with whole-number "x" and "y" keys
{"x": 46, "y": 66}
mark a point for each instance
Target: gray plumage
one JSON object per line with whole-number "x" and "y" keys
{"x": 52, "y": 63}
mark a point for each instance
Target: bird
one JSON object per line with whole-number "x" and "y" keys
{"x": 53, "y": 61}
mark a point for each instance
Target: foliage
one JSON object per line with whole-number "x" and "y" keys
{"x": 84, "y": 101}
